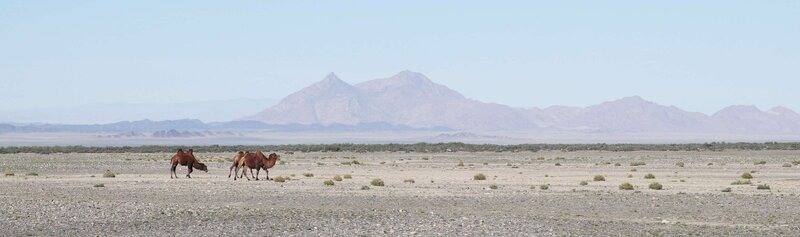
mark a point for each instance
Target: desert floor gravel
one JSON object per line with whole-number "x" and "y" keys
{"x": 58, "y": 195}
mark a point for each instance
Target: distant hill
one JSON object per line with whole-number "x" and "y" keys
{"x": 411, "y": 99}
{"x": 407, "y": 98}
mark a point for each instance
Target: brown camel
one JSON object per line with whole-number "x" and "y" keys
{"x": 236, "y": 159}
{"x": 186, "y": 159}
{"x": 256, "y": 161}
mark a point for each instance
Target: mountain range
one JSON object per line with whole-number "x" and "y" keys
{"x": 411, "y": 99}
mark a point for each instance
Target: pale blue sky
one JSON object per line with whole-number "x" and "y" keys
{"x": 697, "y": 55}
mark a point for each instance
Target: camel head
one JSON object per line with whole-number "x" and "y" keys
{"x": 200, "y": 166}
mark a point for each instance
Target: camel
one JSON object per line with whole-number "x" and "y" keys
{"x": 256, "y": 161}
{"x": 186, "y": 159}
{"x": 236, "y": 159}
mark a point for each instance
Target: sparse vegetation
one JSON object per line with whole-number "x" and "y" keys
{"x": 337, "y": 178}
{"x": 9, "y": 173}
{"x": 583, "y": 183}
{"x": 630, "y": 176}
{"x": 763, "y": 187}
{"x": 99, "y": 185}
{"x": 761, "y": 162}
{"x": 32, "y": 174}
{"x": 558, "y": 164}
{"x": 493, "y": 186}
{"x": 479, "y": 176}
{"x": 679, "y": 164}
{"x": 649, "y": 176}
{"x": 741, "y": 182}
{"x": 460, "y": 163}
{"x": 726, "y": 190}
{"x": 109, "y": 174}
{"x": 328, "y": 182}
{"x": 599, "y": 178}
{"x": 638, "y": 163}
{"x": 747, "y": 175}
{"x": 308, "y": 174}
{"x": 655, "y": 186}
{"x": 364, "y": 187}
{"x": 348, "y": 176}
{"x": 279, "y": 179}
{"x": 377, "y": 182}
{"x": 626, "y": 186}
{"x": 787, "y": 165}
{"x": 544, "y": 186}
{"x": 411, "y": 181}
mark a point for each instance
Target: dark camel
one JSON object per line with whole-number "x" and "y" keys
{"x": 186, "y": 159}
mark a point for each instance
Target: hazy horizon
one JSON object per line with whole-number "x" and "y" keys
{"x": 699, "y": 56}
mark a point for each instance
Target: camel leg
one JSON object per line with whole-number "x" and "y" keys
{"x": 266, "y": 172}
{"x": 190, "y": 170}
{"x": 244, "y": 170}
{"x": 236, "y": 173}
{"x": 172, "y": 170}
{"x": 231, "y": 170}
{"x": 257, "y": 171}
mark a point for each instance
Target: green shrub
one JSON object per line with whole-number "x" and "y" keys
{"x": 377, "y": 182}
{"x": 649, "y": 176}
{"x": 308, "y": 174}
{"x": 544, "y": 186}
{"x": 99, "y": 185}
{"x": 485, "y": 163}
{"x": 346, "y": 163}
{"x": 348, "y": 176}
{"x": 599, "y": 178}
{"x": 763, "y": 187}
{"x": 747, "y": 176}
{"x": 626, "y": 186}
{"x": 741, "y": 182}
{"x": 761, "y": 162}
{"x": 583, "y": 183}
{"x": 411, "y": 181}
{"x": 479, "y": 176}
{"x": 558, "y": 164}
{"x": 617, "y": 164}
{"x": 425, "y": 158}
{"x": 787, "y": 165}
{"x": 337, "y": 178}
{"x": 638, "y": 163}
{"x": 460, "y": 163}
{"x": 655, "y": 186}
{"x": 355, "y": 162}
{"x": 630, "y": 176}
{"x": 9, "y": 173}
{"x": 493, "y": 186}
{"x": 679, "y": 164}
{"x": 328, "y": 182}
{"x": 109, "y": 174}
{"x": 32, "y": 174}
{"x": 279, "y": 179}
{"x": 726, "y": 190}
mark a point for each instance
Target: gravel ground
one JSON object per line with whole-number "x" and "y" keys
{"x": 443, "y": 200}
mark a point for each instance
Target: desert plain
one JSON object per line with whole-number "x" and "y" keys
{"x": 546, "y": 193}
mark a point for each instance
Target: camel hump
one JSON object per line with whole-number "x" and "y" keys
{"x": 241, "y": 152}
{"x": 180, "y": 150}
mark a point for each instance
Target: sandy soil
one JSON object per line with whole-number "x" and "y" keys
{"x": 444, "y": 200}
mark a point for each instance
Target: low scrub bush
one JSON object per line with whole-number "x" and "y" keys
{"x": 479, "y": 176}
{"x": 763, "y": 187}
{"x": 328, "y": 182}
{"x": 747, "y": 176}
{"x": 337, "y": 178}
{"x": 626, "y": 186}
{"x": 655, "y": 186}
{"x": 649, "y": 176}
{"x": 279, "y": 179}
{"x": 599, "y": 178}
{"x": 377, "y": 182}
